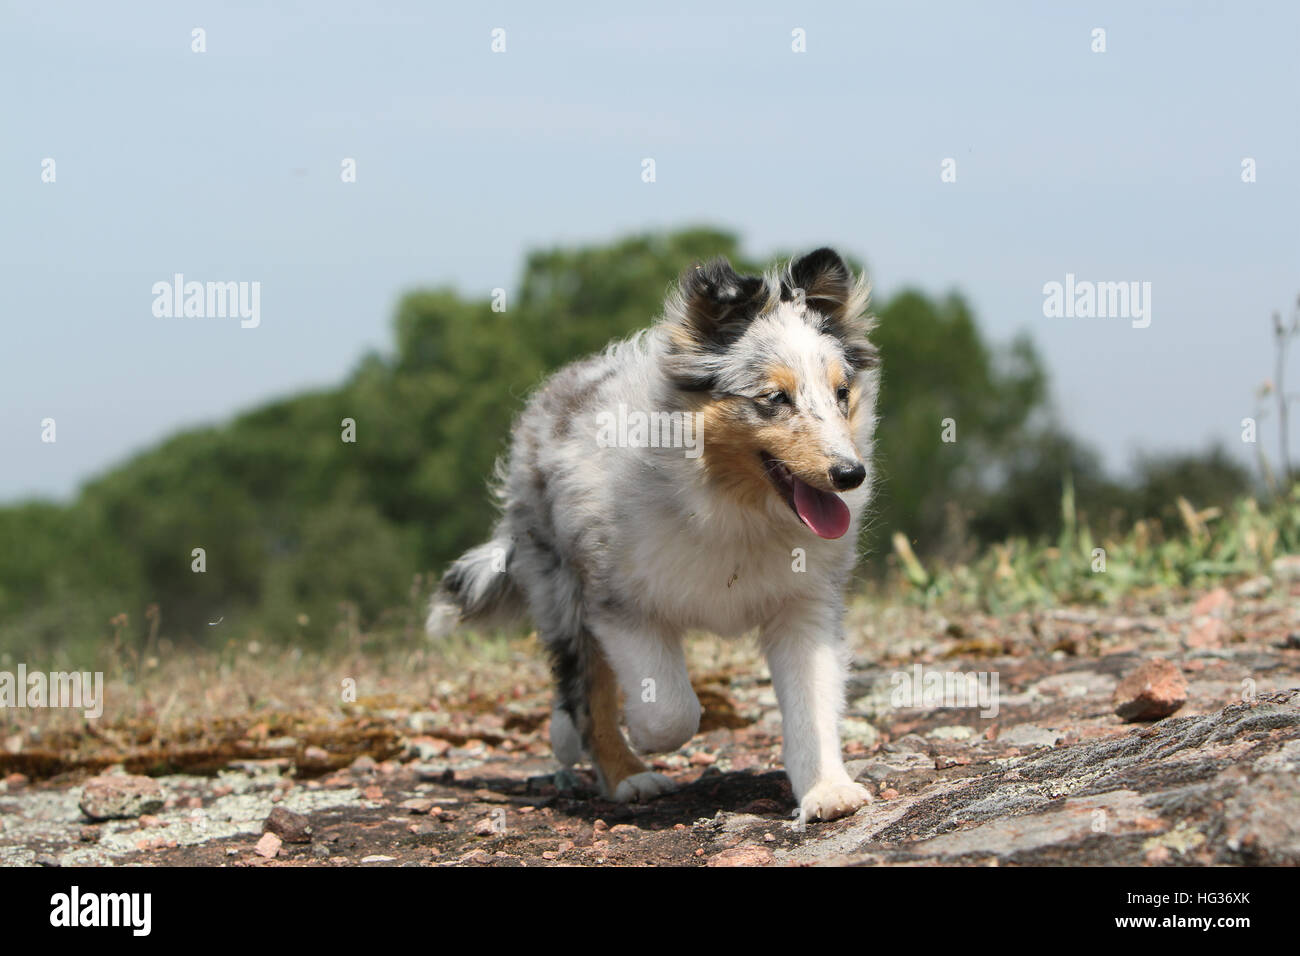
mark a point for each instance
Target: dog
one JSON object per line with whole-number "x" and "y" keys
{"x": 615, "y": 543}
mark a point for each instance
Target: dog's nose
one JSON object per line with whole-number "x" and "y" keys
{"x": 847, "y": 474}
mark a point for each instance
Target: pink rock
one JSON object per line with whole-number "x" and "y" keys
{"x": 742, "y": 856}
{"x": 1218, "y": 599}
{"x": 268, "y": 846}
{"x": 1207, "y": 635}
{"x": 1155, "y": 690}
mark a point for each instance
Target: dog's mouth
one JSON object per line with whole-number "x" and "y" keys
{"x": 824, "y": 512}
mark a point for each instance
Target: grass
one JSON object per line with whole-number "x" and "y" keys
{"x": 1209, "y": 547}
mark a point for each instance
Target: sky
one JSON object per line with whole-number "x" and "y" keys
{"x": 226, "y": 165}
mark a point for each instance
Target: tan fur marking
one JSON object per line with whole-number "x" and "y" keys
{"x": 855, "y": 407}
{"x": 784, "y": 379}
{"x": 731, "y": 452}
{"x": 609, "y": 749}
{"x": 732, "y": 445}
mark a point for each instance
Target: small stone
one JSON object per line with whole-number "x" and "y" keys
{"x": 373, "y": 793}
{"x": 363, "y": 765}
{"x": 1207, "y": 635}
{"x": 47, "y": 860}
{"x": 743, "y": 856}
{"x": 889, "y": 793}
{"x": 1217, "y": 600}
{"x": 288, "y": 826}
{"x": 89, "y": 834}
{"x": 16, "y": 781}
{"x": 376, "y": 858}
{"x": 268, "y": 846}
{"x": 1253, "y": 588}
{"x": 320, "y": 851}
{"x": 417, "y": 805}
{"x": 702, "y": 758}
{"x": 1153, "y": 691}
{"x": 120, "y": 797}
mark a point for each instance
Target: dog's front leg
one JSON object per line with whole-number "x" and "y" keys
{"x": 806, "y": 655}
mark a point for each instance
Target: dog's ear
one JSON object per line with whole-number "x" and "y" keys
{"x": 707, "y": 312}
{"x": 840, "y": 299}
{"x": 824, "y": 279}
{"x": 715, "y": 303}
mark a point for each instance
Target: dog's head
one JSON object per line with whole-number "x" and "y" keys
{"x": 782, "y": 372}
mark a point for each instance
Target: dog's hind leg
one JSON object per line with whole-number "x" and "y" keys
{"x": 586, "y": 720}
{"x": 624, "y": 777}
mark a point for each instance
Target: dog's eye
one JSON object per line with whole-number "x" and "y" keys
{"x": 842, "y": 393}
{"x": 777, "y": 398}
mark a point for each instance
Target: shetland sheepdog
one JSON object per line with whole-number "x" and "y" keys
{"x": 709, "y": 472}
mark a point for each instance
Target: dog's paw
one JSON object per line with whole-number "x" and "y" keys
{"x": 833, "y": 799}
{"x": 642, "y": 786}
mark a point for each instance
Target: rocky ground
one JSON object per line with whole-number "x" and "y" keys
{"x": 463, "y": 777}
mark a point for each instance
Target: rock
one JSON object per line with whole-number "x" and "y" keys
{"x": 120, "y": 797}
{"x": 363, "y": 765}
{"x": 1155, "y": 690}
{"x": 377, "y": 858}
{"x": 953, "y": 732}
{"x": 316, "y": 754}
{"x": 46, "y": 860}
{"x": 854, "y": 729}
{"x": 742, "y": 856}
{"x": 16, "y": 781}
{"x": 288, "y": 826}
{"x": 268, "y": 846}
{"x": 1207, "y": 635}
{"x": 1262, "y": 820}
{"x": 1029, "y": 736}
{"x": 1253, "y": 588}
{"x": 1218, "y": 600}
{"x": 417, "y": 805}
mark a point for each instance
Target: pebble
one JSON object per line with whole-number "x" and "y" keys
{"x": 268, "y": 846}
{"x": 288, "y": 826}
{"x": 120, "y": 797}
{"x": 1155, "y": 690}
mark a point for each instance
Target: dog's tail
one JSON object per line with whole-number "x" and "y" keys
{"x": 477, "y": 589}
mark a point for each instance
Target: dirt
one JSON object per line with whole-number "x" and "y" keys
{"x": 1054, "y": 777}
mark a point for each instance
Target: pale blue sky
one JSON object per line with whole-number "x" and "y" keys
{"x": 225, "y": 166}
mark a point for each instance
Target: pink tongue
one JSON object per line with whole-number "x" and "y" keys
{"x": 822, "y": 511}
